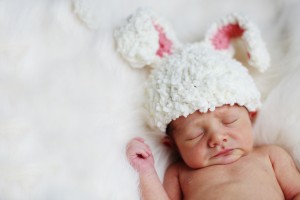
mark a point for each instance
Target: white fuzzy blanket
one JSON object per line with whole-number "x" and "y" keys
{"x": 69, "y": 103}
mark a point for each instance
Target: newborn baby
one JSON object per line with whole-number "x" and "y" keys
{"x": 218, "y": 161}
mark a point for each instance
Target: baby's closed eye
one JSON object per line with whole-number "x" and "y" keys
{"x": 195, "y": 135}
{"x": 230, "y": 120}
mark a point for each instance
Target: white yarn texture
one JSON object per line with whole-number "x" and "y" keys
{"x": 198, "y": 78}
{"x": 137, "y": 40}
{"x": 195, "y": 76}
{"x": 259, "y": 58}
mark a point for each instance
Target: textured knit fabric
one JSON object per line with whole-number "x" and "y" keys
{"x": 190, "y": 77}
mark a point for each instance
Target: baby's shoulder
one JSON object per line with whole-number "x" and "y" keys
{"x": 174, "y": 166}
{"x": 266, "y": 147}
{"x": 271, "y": 151}
{"x": 173, "y": 169}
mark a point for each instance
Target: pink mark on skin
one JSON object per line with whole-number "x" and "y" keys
{"x": 165, "y": 44}
{"x": 249, "y": 56}
{"x": 222, "y": 39}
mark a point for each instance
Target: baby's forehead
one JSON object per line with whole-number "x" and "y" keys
{"x": 197, "y": 115}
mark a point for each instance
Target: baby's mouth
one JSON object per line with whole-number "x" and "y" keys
{"x": 224, "y": 152}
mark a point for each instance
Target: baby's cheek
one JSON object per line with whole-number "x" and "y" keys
{"x": 247, "y": 142}
{"x": 198, "y": 159}
{"x": 187, "y": 155}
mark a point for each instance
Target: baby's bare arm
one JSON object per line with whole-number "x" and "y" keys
{"x": 171, "y": 182}
{"x": 140, "y": 157}
{"x": 286, "y": 172}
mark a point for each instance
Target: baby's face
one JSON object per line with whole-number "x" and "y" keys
{"x": 213, "y": 138}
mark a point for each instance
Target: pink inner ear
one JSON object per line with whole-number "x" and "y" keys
{"x": 222, "y": 39}
{"x": 165, "y": 44}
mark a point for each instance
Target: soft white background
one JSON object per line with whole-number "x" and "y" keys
{"x": 69, "y": 103}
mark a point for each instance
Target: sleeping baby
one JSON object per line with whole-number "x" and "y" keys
{"x": 218, "y": 161}
{"x": 205, "y": 103}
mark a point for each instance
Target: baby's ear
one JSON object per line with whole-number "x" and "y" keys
{"x": 168, "y": 142}
{"x": 238, "y": 26}
{"x": 145, "y": 38}
{"x": 253, "y": 116}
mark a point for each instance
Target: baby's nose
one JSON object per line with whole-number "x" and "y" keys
{"x": 217, "y": 139}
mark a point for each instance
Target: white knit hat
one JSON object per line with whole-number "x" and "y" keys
{"x": 190, "y": 77}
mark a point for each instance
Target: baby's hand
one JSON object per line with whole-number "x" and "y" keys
{"x": 140, "y": 156}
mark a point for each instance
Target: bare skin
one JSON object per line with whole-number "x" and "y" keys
{"x": 250, "y": 177}
{"x": 218, "y": 161}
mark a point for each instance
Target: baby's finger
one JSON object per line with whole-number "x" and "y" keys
{"x": 142, "y": 154}
{"x": 139, "y": 139}
{"x": 135, "y": 150}
{"x": 146, "y": 148}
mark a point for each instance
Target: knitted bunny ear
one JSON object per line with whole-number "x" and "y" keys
{"x": 238, "y": 26}
{"x": 145, "y": 38}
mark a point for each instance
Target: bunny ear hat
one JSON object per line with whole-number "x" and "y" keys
{"x": 190, "y": 77}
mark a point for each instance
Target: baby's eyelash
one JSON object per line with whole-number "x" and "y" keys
{"x": 198, "y": 135}
{"x": 230, "y": 121}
